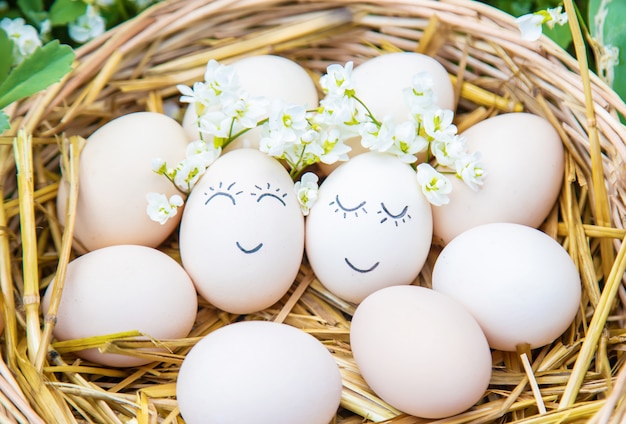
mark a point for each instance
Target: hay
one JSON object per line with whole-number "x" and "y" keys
{"x": 579, "y": 377}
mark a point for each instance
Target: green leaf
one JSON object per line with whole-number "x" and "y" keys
{"x": 63, "y": 12}
{"x": 560, "y": 34}
{"x": 608, "y": 26}
{"x": 6, "y": 51}
{"x": 32, "y": 10}
{"x": 4, "y": 122}
{"x": 45, "y": 66}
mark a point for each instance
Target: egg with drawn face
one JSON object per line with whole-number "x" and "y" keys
{"x": 370, "y": 228}
{"x": 242, "y": 232}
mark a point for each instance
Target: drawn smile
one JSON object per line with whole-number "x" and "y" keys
{"x": 361, "y": 270}
{"x": 250, "y": 251}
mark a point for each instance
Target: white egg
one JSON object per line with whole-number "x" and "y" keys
{"x": 370, "y": 227}
{"x": 242, "y": 232}
{"x": 258, "y": 372}
{"x": 523, "y": 158}
{"x": 270, "y": 76}
{"x": 116, "y": 175}
{"x": 420, "y": 351}
{"x": 121, "y": 289}
{"x": 519, "y": 283}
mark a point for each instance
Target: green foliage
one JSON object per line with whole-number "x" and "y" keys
{"x": 608, "y": 28}
{"x": 6, "y": 50}
{"x": 62, "y": 12}
{"x": 44, "y": 67}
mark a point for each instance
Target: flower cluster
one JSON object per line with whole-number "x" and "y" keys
{"x": 301, "y": 137}
{"x": 427, "y": 134}
{"x": 530, "y": 25}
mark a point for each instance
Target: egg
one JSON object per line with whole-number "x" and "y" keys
{"x": 123, "y": 288}
{"x": 369, "y": 228}
{"x": 421, "y": 351}
{"x": 258, "y": 372}
{"x": 270, "y": 76}
{"x": 380, "y": 82}
{"x": 242, "y": 232}
{"x": 523, "y": 157}
{"x": 520, "y": 284}
{"x": 114, "y": 177}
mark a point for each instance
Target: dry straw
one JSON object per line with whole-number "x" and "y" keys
{"x": 581, "y": 377}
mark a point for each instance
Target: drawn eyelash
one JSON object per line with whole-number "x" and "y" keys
{"x": 402, "y": 216}
{"x": 341, "y": 208}
{"x": 275, "y": 194}
{"x": 220, "y": 192}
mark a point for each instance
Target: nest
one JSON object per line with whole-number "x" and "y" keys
{"x": 136, "y": 66}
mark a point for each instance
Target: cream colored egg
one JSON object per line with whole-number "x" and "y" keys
{"x": 242, "y": 232}
{"x": 270, "y": 76}
{"x": 370, "y": 227}
{"x": 523, "y": 158}
{"x": 258, "y": 372}
{"x": 519, "y": 283}
{"x": 121, "y": 289}
{"x": 116, "y": 174}
{"x": 420, "y": 351}
{"x": 380, "y": 82}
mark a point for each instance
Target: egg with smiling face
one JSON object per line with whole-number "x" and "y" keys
{"x": 242, "y": 232}
{"x": 370, "y": 228}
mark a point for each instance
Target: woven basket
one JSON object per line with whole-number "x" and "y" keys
{"x": 137, "y": 65}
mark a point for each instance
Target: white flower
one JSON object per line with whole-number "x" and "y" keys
{"x": 530, "y": 24}
{"x": 87, "y": 26}
{"x": 206, "y": 153}
{"x": 556, "y": 17}
{"x": 338, "y": 80}
{"x": 406, "y": 143}
{"x": 216, "y": 123}
{"x": 188, "y": 172}
{"x": 470, "y": 170}
{"x": 341, "y": 112}
{"x": 438, "y": 124}
{"x": 288, "y": 120}
{"x": 25, "y": 38}
{"x": 378, "y": 138}
{"x": 435, "y": 185}
{"x": 333, "y": 147}
{"x": 448, "y": 150}
{"x": 306, "y": 191}
{"x": 221, "y": 78}
{"x": 249, "y": 111}
{"x": 159, "y": 166}
{"x": 200, "y": 95}
{"x": 160, "y": 208}
{"x": 420, "y": 97}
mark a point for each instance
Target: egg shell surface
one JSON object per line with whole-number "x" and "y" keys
{"x": 420, "y": 351}
{"x": 270, "y": 76}
{"x": 523, "y": 157}
{"x": 124, "y": 288}
{"x": 258, "y": 372}
{"x": 115, "y": 176}
{"x": 369, "y": 228}
{"x": 519, "y": 283}
{"x": 242, "y": 232}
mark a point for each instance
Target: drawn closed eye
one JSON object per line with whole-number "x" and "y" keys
{"x": 269, "y": 193}
{"x": 345, "y": 209}
{"x": 219, "y": 191}
{"x": 403, "y": 216}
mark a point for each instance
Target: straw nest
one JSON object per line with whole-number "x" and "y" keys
{"x": 579, "y": 377}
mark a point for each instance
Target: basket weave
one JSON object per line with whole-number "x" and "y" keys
{"x": 136, "y": 67}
